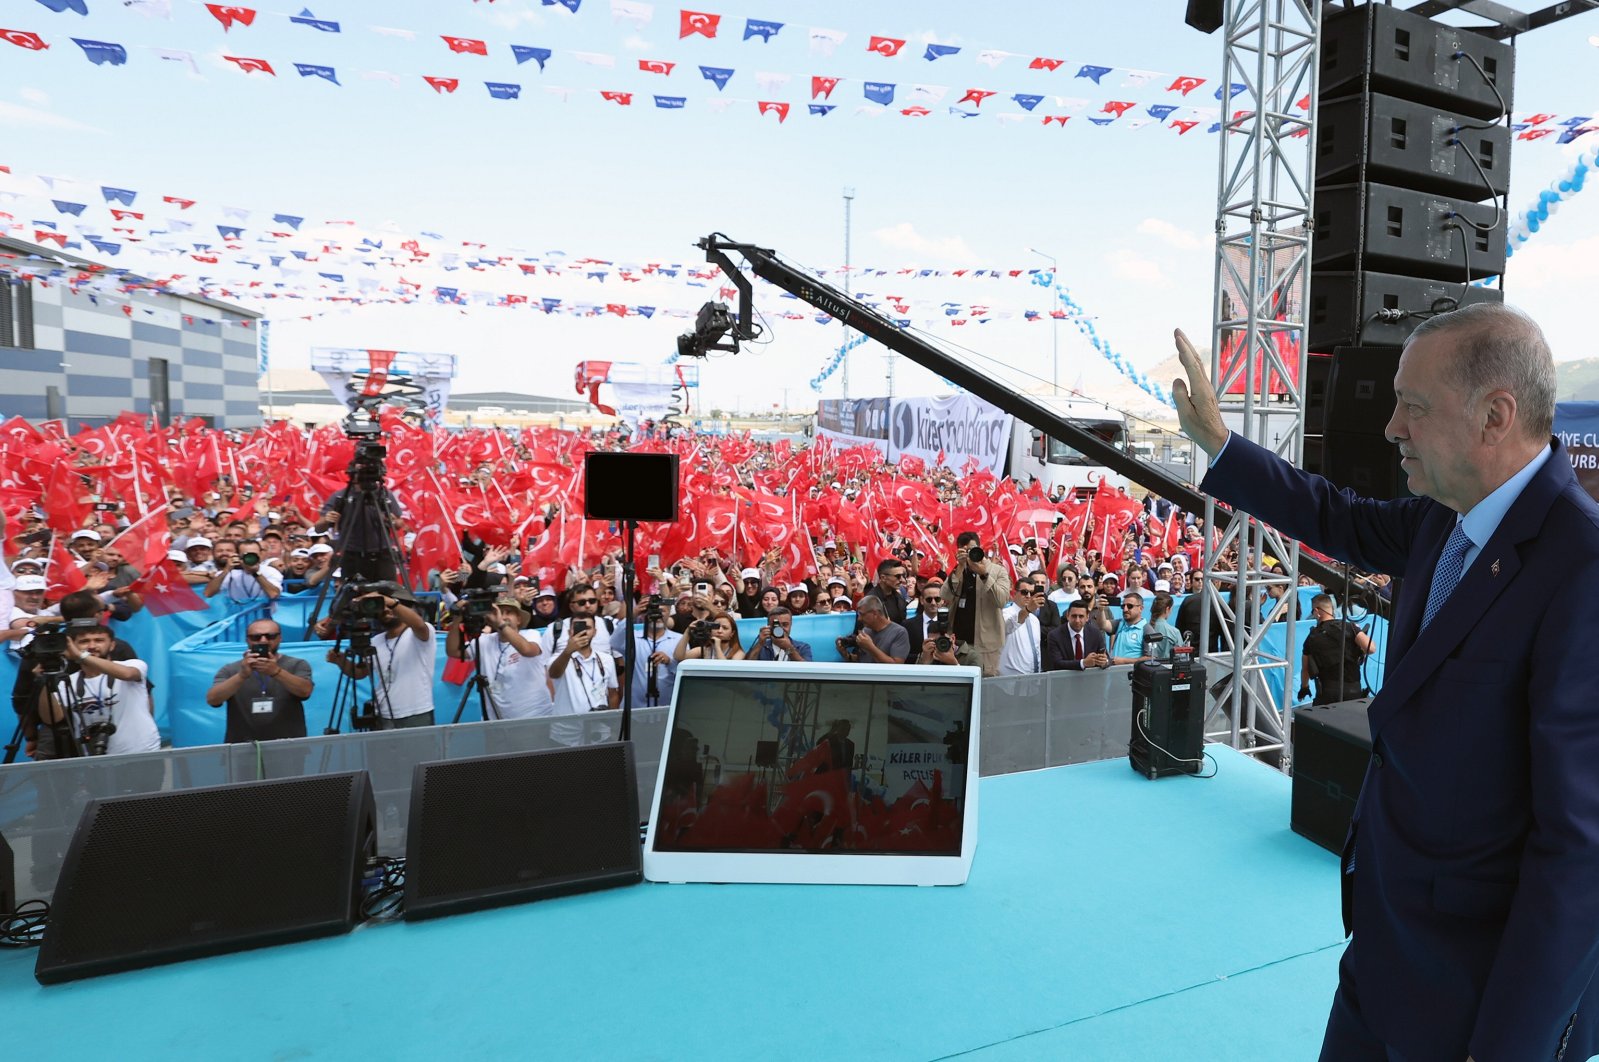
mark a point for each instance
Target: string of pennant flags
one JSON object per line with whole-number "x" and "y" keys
{"x": 878, "y": 97}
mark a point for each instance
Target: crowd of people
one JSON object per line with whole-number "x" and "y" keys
{"x": 483, "y": 540}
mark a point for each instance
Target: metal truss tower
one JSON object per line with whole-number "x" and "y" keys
{"x": 1263, "y": 223}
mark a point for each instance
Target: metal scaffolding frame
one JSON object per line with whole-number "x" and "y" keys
{"x": 1263, "y": 234}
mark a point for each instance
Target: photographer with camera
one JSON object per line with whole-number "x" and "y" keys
{"x": 715, "y": 638}
{"x": 975, "y": 594}
{"x": 1334, "y": 653}
{"x": 509, "y": 657}
{"x": 775, "y": 641}
{"x": 654, "y": 665}
{"x": 584, "y": 680}
{"x": 936, "y": 643}
{"x": 89, "y": 703}
{"x": 879, "y": 640}
{"x": 403, "y": 652}
{"x": 245, "y": 578}
{"x": 264, "y": 692}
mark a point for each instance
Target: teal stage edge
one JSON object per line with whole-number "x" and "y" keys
{"x": 1107, "y": 917}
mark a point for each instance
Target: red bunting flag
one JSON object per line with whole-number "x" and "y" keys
{"x": 915, "y": 111}
{"x": 124, "y": 215}
{"x": 1537, "y": 119}
{"x": 769, "y": 107}
{"x": 976, "y": 96}
{"x": 1185, "y": 84}
{"x": 1061, "y": 118}
{"x": 655, "y": 66}
{"x": 40, "y": 235}
{"x": 1535, "y": 134}
{"x": 1040, "y": 63}
{"x": 1182, "y": 127}
{"x": 181, "y": 204}
{"x": 24, "y": 39}
{"x": 822, "y": 87}
{"x": 251, "y": 66}
{"x": 441, "y": 85}
{"x": 228, "y": 15}
{"x": 885, "y": 45}
{"x": 621, "y": 99}
{"x": 692, "y": 22}
{"x": 1119, "y": 107}
{"x": 465, "y": 45}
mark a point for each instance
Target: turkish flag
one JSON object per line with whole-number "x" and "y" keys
{"x": 779, "y": 109}
{"x": 165, "y": 591}
{"x": 441, "y": 85}
{"x": 621, "y": 99}
{"x": 1185, "y": 85}
{"x": 1041, "y": 63}
{"x": 692, "y": 22}
{"x": 181, "y": 204}
{"x": 437, "y": 545}
{"x": 822, "y": 87}
{"x": 976, "y": 96}
{"x": 64, "y": 508}
{"x": 465, "y": 45}
{"x": 1118, "y": 107}
{"x": 251, "y": 66}
{"x": 24, "y": 39}
{"x": 62, "y": 573}
{"x": 885, "y": 45}
{"x": 229, "y": 15}
{"x": 655, "y": 66}
{"x": 1182, "y": 127}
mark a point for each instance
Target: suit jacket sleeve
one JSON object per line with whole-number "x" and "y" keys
{"x": 1057, "y": 651}
{"x": 1374, "y": 535}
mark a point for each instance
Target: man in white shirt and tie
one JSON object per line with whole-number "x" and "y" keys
{"x": 1023, "y": 652}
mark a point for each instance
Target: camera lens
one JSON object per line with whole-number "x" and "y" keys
{"x": 251, "y": 559}
{"x": 975, "y": 554}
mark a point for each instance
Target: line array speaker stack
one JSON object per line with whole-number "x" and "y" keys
{"x": 1412, "y": 154}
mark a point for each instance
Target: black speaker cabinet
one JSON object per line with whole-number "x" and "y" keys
{"x": 1397, "y": 230}
{"x": 1313, "y": 461}
{"x": 1332, "y": 744}
{"x": 1344, "y": 306}
{"x": 165, "y": 876}
{"x": 1168, "y": 731}
{"x": 1360, "y": 389}
{"x": 8, "y": 878}
{"x": 1411, "y": 145}
{"x": 1318, "y": 374}
{"x": 1366, "y": 464}
{"x": 1377, "y": 48}
{"x": 495, "y": 830}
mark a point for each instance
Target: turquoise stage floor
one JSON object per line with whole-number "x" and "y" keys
{"x": 1107, "y": 917}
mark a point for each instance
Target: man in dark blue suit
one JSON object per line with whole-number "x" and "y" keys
{"x": 1076, "y": 644}
{"x": 1471, "y": 872}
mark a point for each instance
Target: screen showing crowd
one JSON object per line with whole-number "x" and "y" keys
{"x": 841, "y": 766}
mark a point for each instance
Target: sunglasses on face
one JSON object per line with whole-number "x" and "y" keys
{"x": 586, "y": 601}
{"x": 264, "y": 637}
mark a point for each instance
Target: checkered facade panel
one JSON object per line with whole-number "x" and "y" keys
{"x": 97, "y": 355}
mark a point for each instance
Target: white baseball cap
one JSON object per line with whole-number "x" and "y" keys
{"x": 95, "y": 535}
{"x": 201, "y": 541}
{"x": 751, "y": 573}
{"x": 31, "y": 582}
{"x": 320, "y": 547}
{"x": 548, "y": 591}
{"x": 299, "y": 553}
{"x": 1163, "y": 586}
{"x": 177, "y": 555}
{"x": 798, "y": 588}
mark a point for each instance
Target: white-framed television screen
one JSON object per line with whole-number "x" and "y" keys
{"x": 798, "y": 772}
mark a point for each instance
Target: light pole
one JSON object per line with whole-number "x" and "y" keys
{"x": 1054, "y": 322}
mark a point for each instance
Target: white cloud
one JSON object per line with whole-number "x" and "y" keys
{"x": 16, "y": 114}
{"x": 905, "y": 237}
{"x": 37, "y": 97}
{"x": 508, "y": 17}
{"x": 1166, "y": 232}
{"x": 1127, "y": 264}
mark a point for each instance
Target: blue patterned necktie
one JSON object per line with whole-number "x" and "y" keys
{"x": 1451, "y": 563}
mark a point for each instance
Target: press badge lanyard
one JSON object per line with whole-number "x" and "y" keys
{"x": 583, "y": 676}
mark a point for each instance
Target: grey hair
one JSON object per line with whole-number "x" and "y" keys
{"x": 869, "y": 603}
{"x": 1499, "y": 347}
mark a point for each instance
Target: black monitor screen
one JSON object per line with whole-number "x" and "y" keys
{"x": 835, "y": 765}
{"x": 623, "y": 486}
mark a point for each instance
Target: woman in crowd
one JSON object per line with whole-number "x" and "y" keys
{"x": 723, "y": 645}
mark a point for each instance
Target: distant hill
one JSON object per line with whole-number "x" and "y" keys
{"x": 1577, "y": 381}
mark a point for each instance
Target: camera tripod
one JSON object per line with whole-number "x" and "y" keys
{"x": 470, "y": 632}
{"x": 347, "y": 691}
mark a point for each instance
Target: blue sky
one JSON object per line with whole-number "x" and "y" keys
{"x": 1128, "y": 213}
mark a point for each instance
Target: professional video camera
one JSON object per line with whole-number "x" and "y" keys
{"x": 700, "y": 633}
{"x": 654, "y": 611}
{"x": 47, "y": 648}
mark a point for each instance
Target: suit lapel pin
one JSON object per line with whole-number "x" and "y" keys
{"x": 1493, "y": 569}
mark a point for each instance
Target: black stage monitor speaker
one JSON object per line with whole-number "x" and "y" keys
{"x": 1168, "y": 731}
{"x": 8, "y": 878}
{"x": 1360, "y": 391}
{"x": 1397, "y": 230}
{"x": 1367, "y": 464}
{"x": 629, "y": 486}
{"x": 1332, "y": 744}
{"x": 1412, "y": 145}
{"x": 1313, "y": 461}
{"x": 1318, "y": 374}
{"x": 165, "y": 876}
{"x": 1345, "y": 306}
{"x": 1377, "y": 48}
{"x": 495, "y": 830}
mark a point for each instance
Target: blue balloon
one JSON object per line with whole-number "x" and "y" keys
{"x": 1532, "y": 224}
